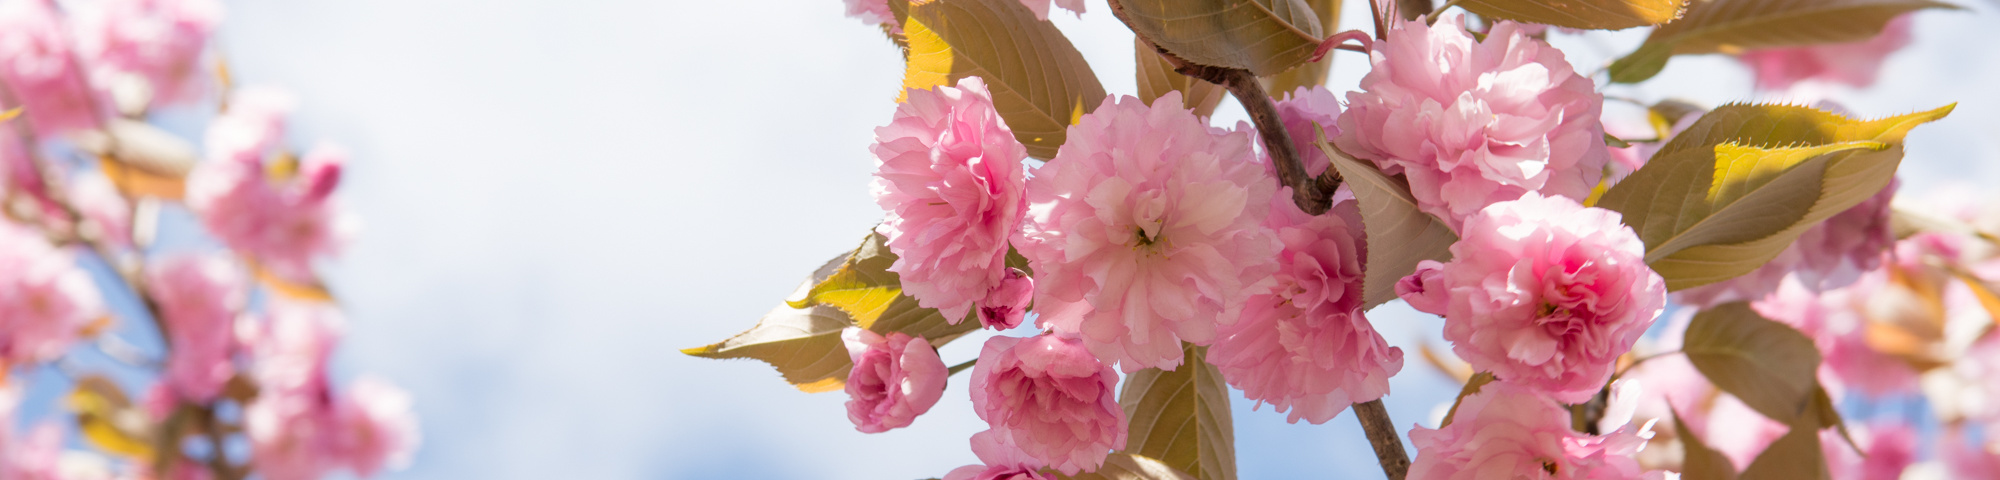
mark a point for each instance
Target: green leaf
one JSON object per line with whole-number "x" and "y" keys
{"x": 1309, "y": 74}
{"x": 1040, "y": 83}
{"x": 802, "y": 343}
{"x": 1471, "y": 387}
{"x": 1157, "y": 77}
{"x": 1182, "y": 417}
{"x": 871, "y": 295}
{"x": 1769, "y": 365}
{"x": 1263, "y": 36}
{"x": 1399, "y": 235}
{"x": 1698, "y": 462}
{"x": 1731, "y": 26}
{"x": 1588, "y": 14}
{"x": 1742, "y": 183}
{"x": 1642, "y": 64}
{"x": 1126, "y": 466}
{"x": 1797, "y": 455}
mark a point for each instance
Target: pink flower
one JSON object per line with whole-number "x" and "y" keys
{"x": 1049, "y": 396}
{"x": 1299, "y": 110}
{"x": 1544, "y": 292}
{"x": 949, "y": 174}
{"x": 378, "y": 427}
{"x": 199, "y": 298}
{"x": 158, "y": 41}
{"x": 1829, "y": 255}
{"x": 1003, "y": 460}
{"x": 41, "y": 70}
{"x": 1964, "y": 458}
{"x": 1835, "y": 320}
{"x": 293, "y": 425}
{"x": 894, "y": 380}
{"x": 35, "y": 456}
{"x": 105, "y": 212}
{"x": 282, "y": 222}
{"x": 1853, "y": 63}
{"x": 1889, "y": 448}
{"x": 1509, "y": 431}
{"x": 1007, "y": 304}
{"x": 1306, "y": 347}
{"x": 44, "y": 297}
{"x": 873, "y": 12}
{"x": 1474, "y": 123}
{"x": 1146, "y": 230}
{"x": 1041, "y": 7}
{"x": 1739, "y": 432}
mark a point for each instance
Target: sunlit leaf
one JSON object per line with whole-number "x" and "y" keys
{"x": 1982, "y": 290}
{"x": 1742, "y": 183}
{"x": 1181, "y": 417}
{"x": 1589, "y": 14}
{"x": 1399, "y": 235}
{"x": 1445, "y": 363}
{"x": 1698, "y": 462}
{"x": 1126, "y": 466}
{"x": 108, "y": 420}
{"x": 863, "y": 286}
{"x": 1040, "y": 83}
{"x": 1642, "y": 64}
{"x": 1157, "y": 77}
{"x": 802, "y": 343}
{"x": 1309, "y": 74}
{"x": 302, "y": 290}
{"x": 1265, "y": 37}
{"x": 1731, "y": 26}
{"x": 1471, "y": 387}
{"x": 1768, "y": 365}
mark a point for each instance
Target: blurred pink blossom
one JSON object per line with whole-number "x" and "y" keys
{"x": 45, "y": 298}
{"x": 872, "y": 12}
{"x": 1835, "y": 320}
{"x": 378, "y": 426}
{"x": 284, "y": 223}
{"x": 1146, "y": 229}
{"x": 1853, "y": 63}
{"x": 1964, "y": 458}
{"x": 895, "y": 379}
{"x": 1307, "y": 348}
{"x": 1543, "y": 292}
{"x": 1509, "y": 431}
{"x": 949, "y": 173}
{"x": 1473, "y": 123}
{"x": 1002, "y": 460}
{"x": 199, "y": 299}
{"x": 293, "y": 426}
{"x": 41, "y": 70}
{"x": 1888, "y": 448}
{"x": 160, "y": 41}
{"x": 1041, "y": 7}
{"x": 35, "y": 456}
{"x": 1739, "y": 432}
{"x": 103, "y": 209}
{"x": 1050, "y": 397}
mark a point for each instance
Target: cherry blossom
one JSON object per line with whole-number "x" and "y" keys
{"x": 1051, "y": 398}
{"x": 895, "y": 379}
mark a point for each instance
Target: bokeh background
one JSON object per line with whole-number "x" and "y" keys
{"x": 558, "y": 196}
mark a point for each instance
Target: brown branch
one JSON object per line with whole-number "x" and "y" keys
{"x": 1382, "y": 435}
{"x": 1413, "y": 9}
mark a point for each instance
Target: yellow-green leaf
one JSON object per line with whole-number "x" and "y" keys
{"x": 862, "y": 286}
{"x": 1265, "y": 37}
{"x": 1126, "y": 466}
{"x": 1731, "y": 26}
{"x": 1742, "y": 183}
{"x": 107, "y": 419}
{"x": 803, "y": 343}
{"x": 1040, "y": 83}
{"x": 1399, "y": 235}
{"x": 1698, "y": 462}
{"x": 1157, "y": 77}
{"x": 1181, "y": 417}
{"x": 1309, "y": 74}
{"x": 1769, "y": 365}
{"x": 1590, "y": 14}
{"x": 1795, "y": 456}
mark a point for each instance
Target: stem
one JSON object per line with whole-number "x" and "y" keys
{"x": 1432, "y": 18}
{"x": 960, "y": 367}
{"x": 1382, "y": 435}
{"x": 1413, "y": 9}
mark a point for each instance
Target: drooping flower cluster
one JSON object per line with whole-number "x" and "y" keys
{"x": 1051, "y": 398}
{"x": 1146, "y": 230}
{"x": 1470, "y": 123}
{"x": 1543, "y": 292}
{"x": 1306, "y": 347}
{"x": 895, "y": 379}
{"x": 950, "y": 175}
{"x": 253, "y": 196}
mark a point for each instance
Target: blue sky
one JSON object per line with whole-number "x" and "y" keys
{"x": 557, "y": 196}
